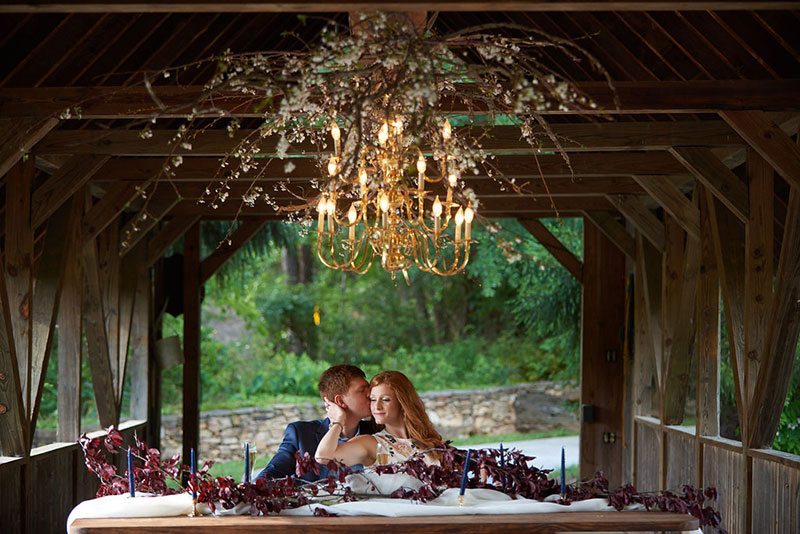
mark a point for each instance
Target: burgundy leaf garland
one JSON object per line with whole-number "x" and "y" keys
{"x": 270, "y": 496}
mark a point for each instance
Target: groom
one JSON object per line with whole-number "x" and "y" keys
{"x": 344, "y": 385}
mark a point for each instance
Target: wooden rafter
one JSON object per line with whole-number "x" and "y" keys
{"x": 228, "y": 248}
{"x": 674, "y": 97}
{"x": 17, "y": 137}
{"x": 674, "y": 202}
{"x": 99, "y": 216}
{"x": 637, "y": 213}
{"x": 554, "y": 245}
{"x": 166, "y": 236}
{"x": 718, "y": 178}
{"x": 616, "y": 232}
{"x": 137, "y": 228}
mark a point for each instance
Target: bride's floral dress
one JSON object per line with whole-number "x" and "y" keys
{"x": 400, "y": 449}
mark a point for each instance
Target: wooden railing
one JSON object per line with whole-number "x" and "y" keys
{"x": 37, "y": 492}
{"x": 759, "y": 486}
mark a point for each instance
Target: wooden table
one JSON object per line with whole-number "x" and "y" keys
{"x": 536, "y": 523}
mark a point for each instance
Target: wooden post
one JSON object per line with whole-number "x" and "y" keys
{"x": 191, "y": 340}
{"x": 602, "y": 380}
{"x": 140, "y": 354}
{"x": 154, "y": 371}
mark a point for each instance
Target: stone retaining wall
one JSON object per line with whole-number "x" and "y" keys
{"x": 522, "y": 408}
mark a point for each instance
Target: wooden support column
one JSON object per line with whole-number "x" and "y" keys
{"x": 19, "y": 270}
{"x": 646, "y": 382}
{"x": 606, "y": 223}
{"x": 108, "y": 266}
{"x": 70, "y": 334}
{"x": 191, "y": 340}
{"x": 139, "y": 363}
{"x": 13, "y": 419}
{"x": 154, "y": 371}
{"x": 602, "y": 380}
{"x": 128, "y": 282}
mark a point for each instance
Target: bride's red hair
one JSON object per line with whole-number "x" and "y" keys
{"x": 418, "y": 424}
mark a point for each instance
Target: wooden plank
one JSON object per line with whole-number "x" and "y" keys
{"x": 775, "y": 504}
{"x": 602, "y": 380}
{"x": 673, "y": 97}
{"x": 613, "y": 230}
{"x": 18, "y": 137}
{"x": 108, "y": 267}
{"x": 720, "y": 180}
{"x": 674, "y": 202}
{"x": 767, "y": 138}
{"x": 672, "y": 262}
{"x": 646, "y": 390}
{"x": 137, "y": 228}
{"x": 635, "y": 211}
{"x": 99, "y": 216}
{"x": 19, "y": 269}
{"x": 512, "y": 523}
{"x": 722, "y": 469}
{"x": 578, "y": 137}
{"x": 70, "y": 335}
{"x": 652, "y": 268}
{"x": 729, "y": 237}
{"x": 759, "y": 255}
{"x": 553, "y": 245}
{"x": 62, "y": 185}
{"x": 191, "y": 339}
{"x": 227, "y": 249}
{"x": 682, "y": 349}
{"x": 96, "y": 341}
{"x": 648, "y": 443}
{"x": 47, "y": 289}
{"x": 13, "y": 420}
{"x": 129, "y": 276}
{"x": 708, "y": 329}
{"x": 784, "y": 329}
{"x": 139, "y": 360}
{"x": 51, "y": 492}
{"x": 12, "y": 477}
{"x": 679, "y": 452}
{"x": 167, "y": 236}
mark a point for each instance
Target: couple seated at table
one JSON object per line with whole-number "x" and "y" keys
{"x": 399, "y": 426}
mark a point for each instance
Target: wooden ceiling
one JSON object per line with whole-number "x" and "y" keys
{"x": 682, "y": 77}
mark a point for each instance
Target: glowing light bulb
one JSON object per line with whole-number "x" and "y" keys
{"x": 362, "y": 178}
{"x": 447, "y": 130}
{"x": 384, "y": 202}
{"x": 469, "y": 214}
{"x": 398, "y": 125}
{"x": 352, "y": 214}
{"x": 331, "y": 206}
{"x": 333, "y": 165}
{"x": 322, "y": 205}
{"x": 437, "y": 207}
{"x": 383, "y": 134}
{"x": 459, "y": 216}
{"x": 421, "y": 166}
{"x": 336, "y": 133}
{"x": 452, "y": 179}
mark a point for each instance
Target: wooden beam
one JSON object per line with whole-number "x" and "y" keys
{"x": 138, "y": 227}
{"x": 108, "y": 269}
{"x": 718, "y": 178}
{"x": 140, "y": 360}
{"x": 96, "y": 340}
{"x": 784, "y": 328}
{"x": 99, "y": 216}
{"x": 637, "y": 213}
{"x": 652, "y": 269}
{"x": 129, "y": 279}
{"x": 19, "y": 269}
{"x": 646, "y": 389}
{"x": 167, "y": 236}
{"x": 680, "y": 350}
{"x": 228, "y": 248}
{"x": 46, "y": 294}
{"x": 613, "y": 230}
{"x": 18, "y": 137}
{"x": 13, "y": 419}
{"x": 191, "y": 339}
{"x": 674, "y": 202}
{"x": 729, "y": 238}
{"x": 70, "y": 335}
{"x": 553, "y": 245}
{"x": 257, "y": 6}
{"x": 62, "y": 185}
{"x": 759, "y": 256}
{"x": 769, "y": 141}
{"x": 578, "y": 137}
{"x": 708, "y": 328}
{"x": 650, "y": 97}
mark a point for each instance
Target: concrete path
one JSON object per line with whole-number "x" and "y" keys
{"x": 547, "y": 450}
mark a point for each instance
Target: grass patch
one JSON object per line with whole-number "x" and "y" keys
{"x": 573, "y": 474}
{"x": 516, "y": 436}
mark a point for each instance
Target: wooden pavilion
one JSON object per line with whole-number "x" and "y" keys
{"x": 689, "y": 190}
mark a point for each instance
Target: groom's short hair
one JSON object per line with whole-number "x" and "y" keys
{"x": 336, "y": 380}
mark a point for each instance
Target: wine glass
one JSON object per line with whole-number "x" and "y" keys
{"x": 382, "y": 454}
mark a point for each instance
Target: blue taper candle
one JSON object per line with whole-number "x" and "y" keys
{"x": 563, "y": 475}
{"x": 247, "y": 461}
{"x": 465, "y": 473}
{"x": 193, "y": 471}
{"x": 131, "y": 481}
{"x": 502, "y": 465}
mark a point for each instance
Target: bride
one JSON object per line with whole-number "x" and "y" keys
{"x": 407, "y": 430}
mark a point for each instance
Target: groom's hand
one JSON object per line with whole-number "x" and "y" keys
{"x": 334, "y": 411}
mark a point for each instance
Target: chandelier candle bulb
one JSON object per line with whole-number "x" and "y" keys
{"x": 383, "y": 134}
{"x": 447, "y": 130}
{"x": 332, "y": 166}
{"x": 459, "y": 222}
{"x": 321, "y": 207}
{"x": 352, "y": 215}
{"x": 469, "y": 214}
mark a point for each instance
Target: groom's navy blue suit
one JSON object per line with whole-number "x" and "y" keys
{"x": 304, "y": 436}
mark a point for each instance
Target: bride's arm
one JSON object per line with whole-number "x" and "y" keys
{"x": 359, "y": 450}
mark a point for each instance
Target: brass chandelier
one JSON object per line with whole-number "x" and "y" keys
{"x": 404, "y": 218}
